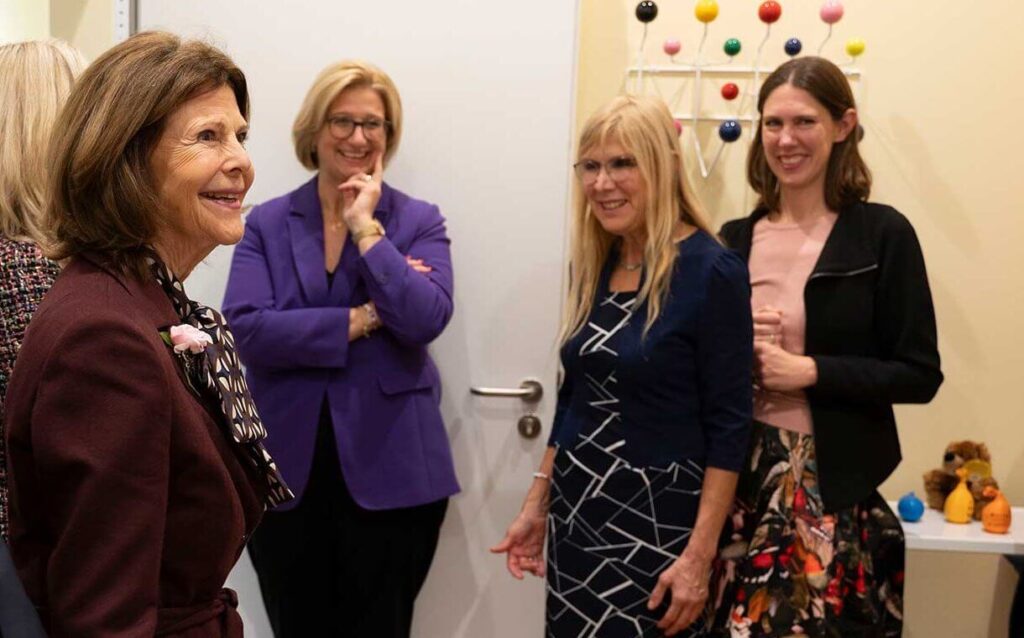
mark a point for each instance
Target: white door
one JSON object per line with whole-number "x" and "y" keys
{"x": 487, "y": 89}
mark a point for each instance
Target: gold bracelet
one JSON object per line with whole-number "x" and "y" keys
{"x": 371, "y": 314}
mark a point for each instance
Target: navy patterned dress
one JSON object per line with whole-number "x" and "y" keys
{"x": 639, "y": 419}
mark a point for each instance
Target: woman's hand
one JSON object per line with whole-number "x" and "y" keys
{"x": 360, "y": 194}
{"x": 768, "y": 325}
{"x": 360, "y": 323}
{"x": 417, "y": 264}
{"x": 776, "y": 369}
{"x": 524, "y": 543}
{"x": 687, "y": 579}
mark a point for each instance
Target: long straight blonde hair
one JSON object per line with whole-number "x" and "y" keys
{"x": 35, "y": 80}
{"x": 643, "y": 126}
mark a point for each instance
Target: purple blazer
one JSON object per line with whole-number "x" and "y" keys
{"x": 291, "y": 331}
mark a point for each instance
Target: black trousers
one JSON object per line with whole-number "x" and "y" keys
{"x": 328, "y": 567}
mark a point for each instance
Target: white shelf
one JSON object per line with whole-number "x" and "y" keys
{"x": 934, "y": 533}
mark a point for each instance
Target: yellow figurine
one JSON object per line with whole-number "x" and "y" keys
{"x": 960, "y": 504}
{"x": 995, "y": 518}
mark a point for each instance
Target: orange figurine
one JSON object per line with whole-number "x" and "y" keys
{"x": 995, "y": 518}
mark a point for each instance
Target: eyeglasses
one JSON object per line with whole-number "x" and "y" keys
{"x": 618, "y": 169}
{"x": 343, "y": 126}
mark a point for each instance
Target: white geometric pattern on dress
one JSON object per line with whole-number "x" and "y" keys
{"x": 607, "y": 545}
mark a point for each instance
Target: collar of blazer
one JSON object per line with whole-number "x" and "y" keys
{"x": 848, "y": 248}
{"x": 306, "y": 229}
{"x": 305, "y": 202}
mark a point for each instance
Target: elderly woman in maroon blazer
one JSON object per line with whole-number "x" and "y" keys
{"x": 333, "y": 322}
{"x": 137, "y": 469}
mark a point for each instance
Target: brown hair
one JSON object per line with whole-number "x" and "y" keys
{"x": 847, "y": 178}
{"x": 103, "y": 196}
{"x": 44, "y": 70}
{"x": 328, "y": 85}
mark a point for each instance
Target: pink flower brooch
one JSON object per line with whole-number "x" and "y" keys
{"x": 186, "y": 337}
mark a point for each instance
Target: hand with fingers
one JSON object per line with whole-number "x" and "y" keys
{"x": 524, "y": 543}
{"x": 686, "y": 582}
{"x": 768, "y": 325}
{"x": 417, "y": 264}
{"x": 360, "y": 194}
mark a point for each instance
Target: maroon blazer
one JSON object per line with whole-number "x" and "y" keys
{"x": 129, "y": 504}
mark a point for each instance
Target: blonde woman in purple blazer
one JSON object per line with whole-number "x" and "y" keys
{"x": 335, "y": 292}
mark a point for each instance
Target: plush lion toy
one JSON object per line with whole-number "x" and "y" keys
{"x": 939, "y": 483}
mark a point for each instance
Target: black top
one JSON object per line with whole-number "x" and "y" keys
{"x": 871, "y": 331}
{"x": 684, "y": 390}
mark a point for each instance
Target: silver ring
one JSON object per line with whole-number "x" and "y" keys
{"x": 368, "y": 178}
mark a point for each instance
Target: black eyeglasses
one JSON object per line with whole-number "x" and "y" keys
{"x": 343, "y": 126}
{"x": 617, "y": 169}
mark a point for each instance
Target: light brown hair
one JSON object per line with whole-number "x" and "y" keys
{"x": 328, "y": 85}
{"x": 103, "y": 195}
{"x": 847, "y": 178}
{"x": 35, "y": 80}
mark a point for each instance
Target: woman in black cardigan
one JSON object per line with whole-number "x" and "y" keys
{"x": 844, "y": 328}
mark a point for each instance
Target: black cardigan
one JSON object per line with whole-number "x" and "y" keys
{"x": 871, "y": 332}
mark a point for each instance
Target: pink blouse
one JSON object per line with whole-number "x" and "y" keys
{"x": 782, "y": 257}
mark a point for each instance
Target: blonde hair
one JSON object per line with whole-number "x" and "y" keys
{"x": 644, "y": 127}
{"x": 102, "y": 195}
{"x": 35, "y": 80}
{"x": 332, "y": 81}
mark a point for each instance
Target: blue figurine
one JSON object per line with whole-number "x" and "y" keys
{"x": 793, "y": 47}
{"x": 730, "y": 131}
{"x": 911, "y": 508}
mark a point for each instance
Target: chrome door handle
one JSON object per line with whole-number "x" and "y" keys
{"x": 529, "y": 390}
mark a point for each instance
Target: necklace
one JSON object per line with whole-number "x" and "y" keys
{"x": 628, "y": 267}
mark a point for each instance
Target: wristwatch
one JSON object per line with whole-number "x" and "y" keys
{"x": 374, "y": 228}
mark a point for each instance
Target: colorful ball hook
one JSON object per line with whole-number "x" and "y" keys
{"x": 854, "y": 47}
{"x": 646, "y": 11}
{"x": 679, "y": 126}
{"x": 706, "y": 10}
{"x": 794, "y": 46}
{"x": 672, "y": 46}
{"x": 730, "y": 131}
{"x": 769, "y": 11}
{"x": 831, "y": 12}
{"x": 730, "y": 91}
{"x": 732, "y": 47}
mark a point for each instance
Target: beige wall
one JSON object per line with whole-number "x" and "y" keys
{"x": 86, "y": 24}
{"x": 939, "y": 99}
{"x": 24, "y": 20}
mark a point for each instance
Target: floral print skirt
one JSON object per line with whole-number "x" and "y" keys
{"x": 788, "y": 568}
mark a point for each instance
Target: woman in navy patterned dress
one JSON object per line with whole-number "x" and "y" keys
{"x": 654, "y": 410}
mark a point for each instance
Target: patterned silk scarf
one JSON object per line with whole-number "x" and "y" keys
{"x": 217, "y": 373}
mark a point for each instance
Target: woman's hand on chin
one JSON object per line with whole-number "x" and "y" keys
{"x": 360, "y": 194}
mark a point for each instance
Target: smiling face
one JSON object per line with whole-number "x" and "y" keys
{"x": 341, "y": 158}
{"x": 202, "y": 172}
{"x": 618, "y": 203}
{"x": 798, "y": 134}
